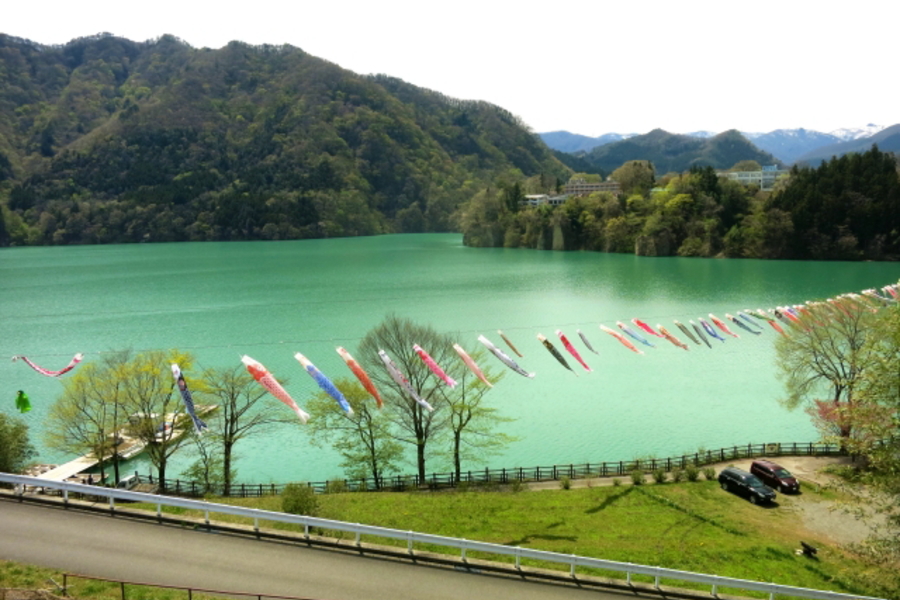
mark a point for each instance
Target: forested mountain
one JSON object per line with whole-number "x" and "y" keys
{"x": 887, "y": 139}
{"x": 108, "y": 140}
{"x": 677, "y": 153}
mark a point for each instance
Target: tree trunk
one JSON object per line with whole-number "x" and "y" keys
{"x": 226, "y": 465}
{"x": 420, "y": 460}
{"x": 457, "y": 463}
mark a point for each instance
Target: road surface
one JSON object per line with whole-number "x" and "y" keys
{"x": 121, "y": 548}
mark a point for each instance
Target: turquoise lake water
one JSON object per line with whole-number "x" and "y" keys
{"x": 272, "y": 299}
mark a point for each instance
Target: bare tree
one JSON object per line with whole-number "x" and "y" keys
{"x": 244, "y": 409}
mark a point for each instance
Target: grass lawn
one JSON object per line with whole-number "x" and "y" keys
{"x": 686, "y": 526}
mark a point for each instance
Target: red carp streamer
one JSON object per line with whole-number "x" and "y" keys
{"x": 268, "y": 381}
{"x": 361, "y": 375}
{"x": 435, "y": 368}
{"x": 75, "y": 360}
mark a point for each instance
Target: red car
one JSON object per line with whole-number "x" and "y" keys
{"x": 775, "y": 476}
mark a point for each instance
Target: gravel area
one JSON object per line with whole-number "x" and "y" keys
{"x": 824, "y": 518}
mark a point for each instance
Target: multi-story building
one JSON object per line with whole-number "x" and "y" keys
{"x": 765, "y": 178}
{"x": 577, "y": 186}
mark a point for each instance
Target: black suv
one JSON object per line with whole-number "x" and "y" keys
{"x": 743, "y": 483}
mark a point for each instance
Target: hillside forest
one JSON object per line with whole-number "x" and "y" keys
{"x": 105, "y": 140}
{"x": 846, "y": 209}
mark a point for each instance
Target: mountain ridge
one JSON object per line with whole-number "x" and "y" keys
{"x": 106, "y": 140}
{"x": 787, "y": 145}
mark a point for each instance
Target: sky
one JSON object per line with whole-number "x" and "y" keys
{"x": 587, "y": 67}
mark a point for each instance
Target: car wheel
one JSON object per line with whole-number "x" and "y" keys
{"x": 725, "y": 486}
{"x": 753, "y": 499}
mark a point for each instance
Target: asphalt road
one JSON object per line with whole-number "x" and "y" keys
{"x": 121, "y": 548}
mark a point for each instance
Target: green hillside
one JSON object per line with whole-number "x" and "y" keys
{"x": 673, "y": 153}
{"x": 108, "y": 140}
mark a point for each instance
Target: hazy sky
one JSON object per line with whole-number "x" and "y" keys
{"x": 588, "y": 67}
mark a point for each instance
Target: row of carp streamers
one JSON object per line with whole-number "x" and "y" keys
{"x": 810, "y": 314}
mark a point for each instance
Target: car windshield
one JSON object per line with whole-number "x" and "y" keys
{"x": 754, "y": 481}
{"x": 782, "y": 473}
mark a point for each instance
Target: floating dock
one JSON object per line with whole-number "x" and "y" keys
{"x": 129, "y": 447}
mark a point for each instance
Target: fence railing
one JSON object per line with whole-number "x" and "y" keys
{"x": 569, "y": 561}
{"x": 506, "y": 476}
{"x": 190, "y": 590}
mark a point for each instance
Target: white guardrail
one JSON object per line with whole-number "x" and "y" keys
{"x": 572, "y": 561}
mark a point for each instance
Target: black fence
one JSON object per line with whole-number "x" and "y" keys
{"x": 487, "y": 476}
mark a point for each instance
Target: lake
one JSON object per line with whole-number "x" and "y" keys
{"x": 272, "y": 299}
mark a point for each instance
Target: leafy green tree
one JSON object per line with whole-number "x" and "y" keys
{"x": 15, "y": 447}
{"x": 635, "y": 177}
{"x": 154, "y": 405}
{"x": 876, "y": 420}
{"x": 746, "y": 165}
{"x": 473, "y": 423}
{"x": 90, "y": 412}
{"x": 823, "y": 360}
{"x": 363, "y": 439}
{"x": 244, "y": 409}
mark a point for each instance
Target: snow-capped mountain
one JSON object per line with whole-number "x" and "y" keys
{"x": 787, "y": 145}
{"x": 854, "y": 133}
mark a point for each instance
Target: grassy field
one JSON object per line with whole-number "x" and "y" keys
{"x": 686, "y": 526}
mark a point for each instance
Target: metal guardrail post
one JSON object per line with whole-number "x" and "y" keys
{"x": 715, "y": 591}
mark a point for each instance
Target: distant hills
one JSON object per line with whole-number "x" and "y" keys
{"x": 786, "y": 145}
{"x": 671, "y": 152}
{"x": 106, "y": 140}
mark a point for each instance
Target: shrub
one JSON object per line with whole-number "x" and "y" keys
{"x": 464, "y": 486}
{"x": 692, "y": 472}
{"x": 565, "y": 483}
{"x": 677, "y": 474}
{"x": 616, "y": 481}
{"x": 299, "y": 499}
{"x": 338, "y": 486}
{"x": 489, "y": 486}
{"x": 516, "y": 486}
{"x": 637, "y": 477}
{"x": 709, "y": 473}
{"x": 659, "y": 475}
